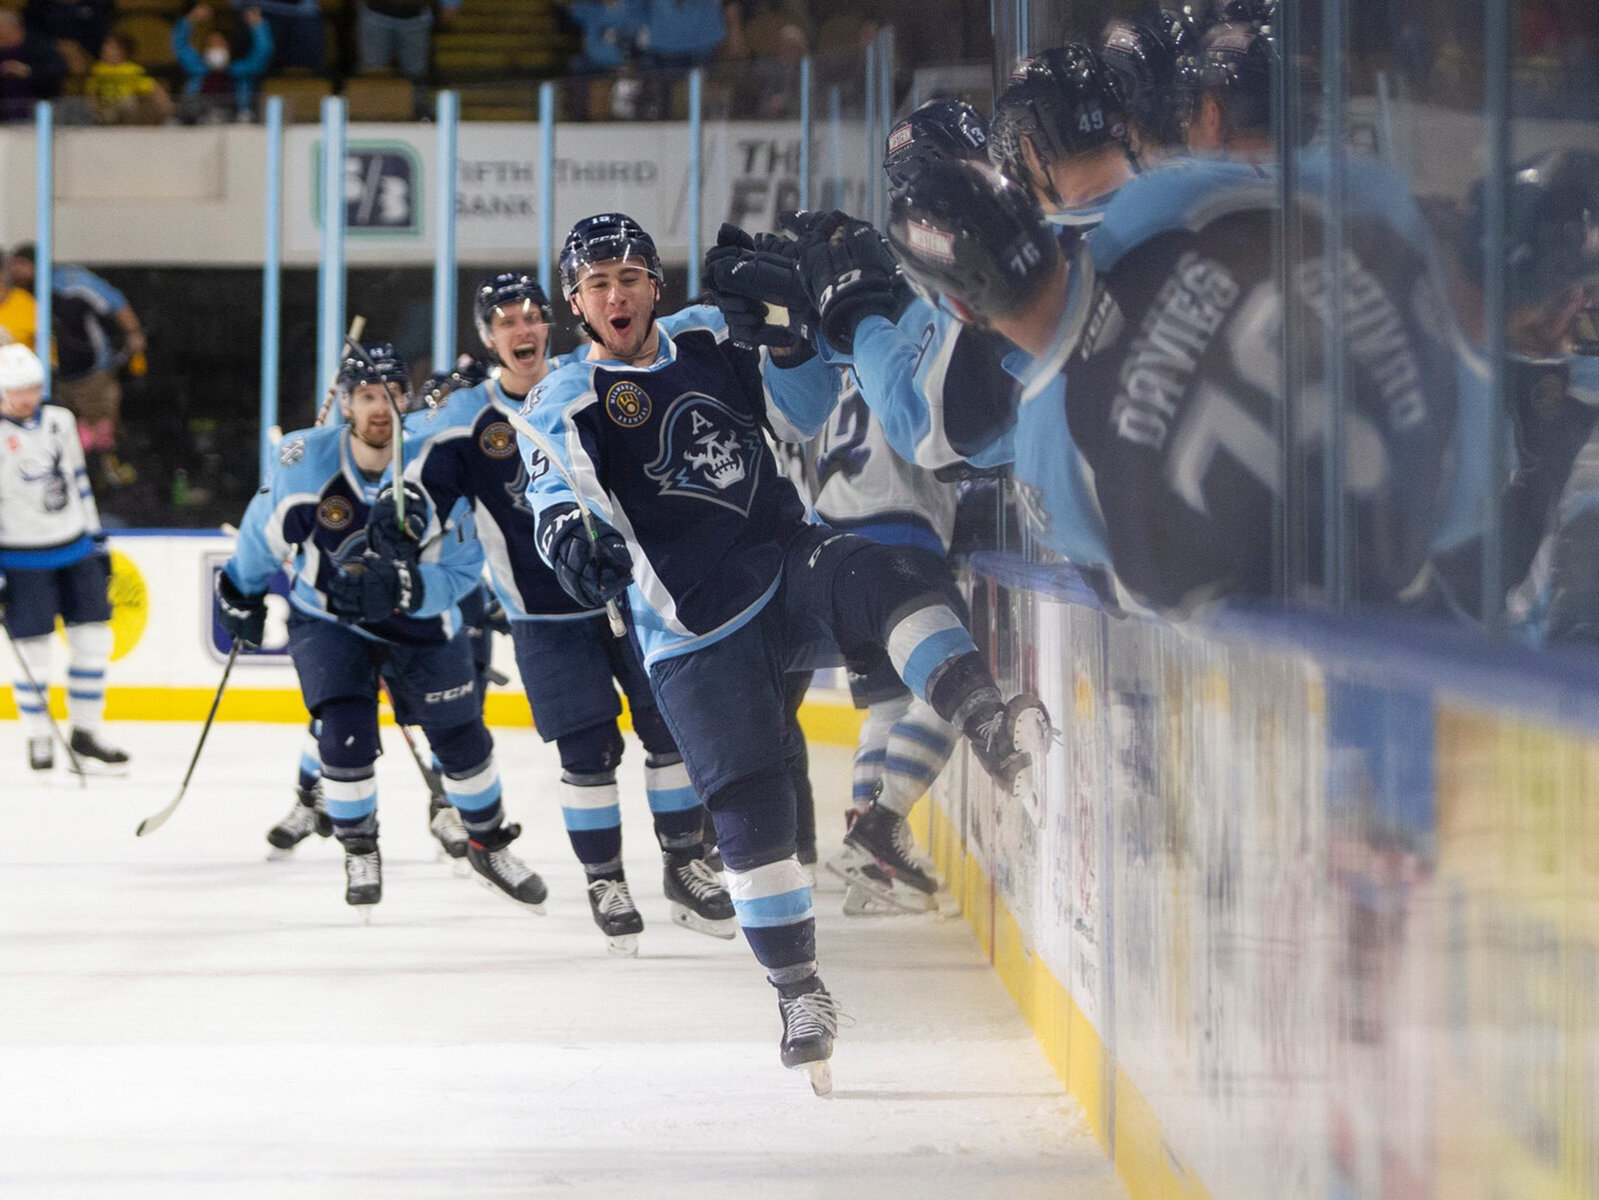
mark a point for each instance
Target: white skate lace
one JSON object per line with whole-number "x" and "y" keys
{"x": 702, "y": 882}
{"x": 509, "y": 867}
{"x": 361, "y": 868}
{"x": 300, "y": 820}
{"x": 446, "y": 824}
{"x": 611, "y": 897}
{"x": 812, "y": 1014}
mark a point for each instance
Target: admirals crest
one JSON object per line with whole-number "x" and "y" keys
{"x": 709, "y": 452}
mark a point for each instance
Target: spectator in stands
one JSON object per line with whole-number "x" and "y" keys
{"x": 19, "y": 316}
{"x": 679, "y": 34}
{"x": 83, "y": 23}
{"x": 217, "y": 84}
{"x": 120, "y": 91}
{"x": 96, "y": 332}
{"x": 298, "y": 39}
{"x": 773, "y": 83}
{"x": 609, "y": 27}
{"x": 31, "y": 69}
{"x": 399, "y": 33}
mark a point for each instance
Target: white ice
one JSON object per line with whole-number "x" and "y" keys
{"x": 181, "y": 1018}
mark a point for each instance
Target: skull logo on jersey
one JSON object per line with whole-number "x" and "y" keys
{"x": 709, "y": 452}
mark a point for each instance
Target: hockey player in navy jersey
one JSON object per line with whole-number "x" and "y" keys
{"x": 570, "y": 663}
{"x": 657, "y": 433}
{"x": 1166, "y": 335}
{"x": 53, "y": 563}
{"x": 1141, "y": 54}
{"x": 371, "y": 601}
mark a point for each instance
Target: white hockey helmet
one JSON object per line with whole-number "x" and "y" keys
{"x": 19, "y": 367}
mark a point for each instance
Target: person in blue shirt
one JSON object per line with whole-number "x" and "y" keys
{"x": 217, "y": 84}
{"x": 650, "y": 475}
{"x": 372, "y": 597}
{"x": 571, "y": 665}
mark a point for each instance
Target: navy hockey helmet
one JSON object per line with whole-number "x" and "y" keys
{"x": 1554, "y": 226}
{"x": 1141, "y": 55}
{"x": 1064, "y": 103}
{"x": 941, "y": 130}
{"x": 504, "y": 291}
{"x": 1235, "y": 62}
{"x": 963, "y": 232}
{"x": 603, "y": 238}
{"x": 378, "y": 362}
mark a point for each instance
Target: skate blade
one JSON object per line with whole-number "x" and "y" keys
{"x": 279, "y": 854}
{"x": 850, "y": 867}
{"x": 363, "y": 912}
{"x": 949, "y": 908}
{"x": 623, "y": 945}
{"x": 95, "y": 769}
{"x": 460, "y": 868}
{"x": 820, "y": 1074}
{"x": 535, "y": 909}
{"x": 727, "y": 929}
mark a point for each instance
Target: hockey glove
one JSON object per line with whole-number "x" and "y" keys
{"x": 243, "y": 617}
{"x": 494, "y": 618}
{"x": 850, "y": 276}
{"x": 384, "y": 537}
{"x": 591, "y": 570}
{"x": 375, "y": 588}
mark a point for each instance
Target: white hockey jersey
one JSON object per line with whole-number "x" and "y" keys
{"x": 47, "y": 512}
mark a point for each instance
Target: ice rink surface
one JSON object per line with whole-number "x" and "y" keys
{"x": 180, "y": 1017}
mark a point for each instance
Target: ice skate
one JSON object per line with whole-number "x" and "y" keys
{"x": 870, "y": 889}
{"x": 363, "y": 874}
{"x": 699, "y": 901}
{"x": 444, "y": 823}
{"x": 95, "y": 757}
{"x": 810, "y": 1023}
{"x": 41, "y": 754}
{"x": 884, "y": 836}
{"x": 1008, "y": 739}
{"x": 300, "y": 822}
{"x": 615, "y": 914}
{"x": 503, "y": 872}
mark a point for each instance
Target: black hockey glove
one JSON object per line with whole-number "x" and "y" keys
{"x": 591, "y": 570}
{"x": 384, "y": 537}
{"x": 850, "y": 276}
{"x": 243, "y": 617}
{"x": 375, "y": 588}
{"x": 747, "y": 282}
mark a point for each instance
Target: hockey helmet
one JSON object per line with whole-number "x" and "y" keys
{"x": 1554, "y": 227}
{"x": 963, "y": 232}
{"x": 376, "y": 363}
{"x": 941, "y": 130}
{"x": 1235, "y": 62}
{"x": 1064, "y": 103}
{"x": 605, "y": 238}
{"x": 503, "y": 291}
{"x": 1141, "y": 56}
{"x": 19, "y": 368}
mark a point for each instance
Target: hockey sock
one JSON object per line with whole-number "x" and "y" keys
{"x": 348, "y": 742}
{"x": 960, "y": 688}
{"x": 351, "y": 797}
{"x": 923, "y": 644}
{"x": 310, "y": 758}
{"x": 675, "y": 805}
{"x": 773, "y": 903}
{"x": 91, "y": 651}
{"x": 591, "y": 809}
{"x": 755, "y": 830}
{"x": 34, "y": 705}
{"x": 873, "y": 748}
{"x": 652, "y": 732}
{"x": 476, "y": 796}
{"x": 919, "y": 744}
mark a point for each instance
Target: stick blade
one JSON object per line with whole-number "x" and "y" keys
{"x": 153, "y": 822}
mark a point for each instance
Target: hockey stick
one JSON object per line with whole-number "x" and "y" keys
{"x": 613, "y": 613}
{"x": 430, "y": 777}
{"x": 357, "y": 328}
{"x": 44, "y": 697}
{"x": 151, "y": 823}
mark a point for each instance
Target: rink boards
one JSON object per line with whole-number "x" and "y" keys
{"x": 1305, "y": 910}
{"x": 169, "y": 649}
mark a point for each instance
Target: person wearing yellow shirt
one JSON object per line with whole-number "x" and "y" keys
{"x": 121, "y": 91}
{"x": 19, "y": 316}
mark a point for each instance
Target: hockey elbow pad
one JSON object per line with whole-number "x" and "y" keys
{"x": 591, "y": 570}
{"x": 242, "y": 616}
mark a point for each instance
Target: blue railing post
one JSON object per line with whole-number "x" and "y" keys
{"x": 448, "y": 120}
{"x": 547, "y": 187}
{"x": 271, "y": 283}
{"x": 696, "y": 116}
{"x": 806, "y": 68}
{"x": 330, "y": 267}
{"x": 44, "y": 235}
